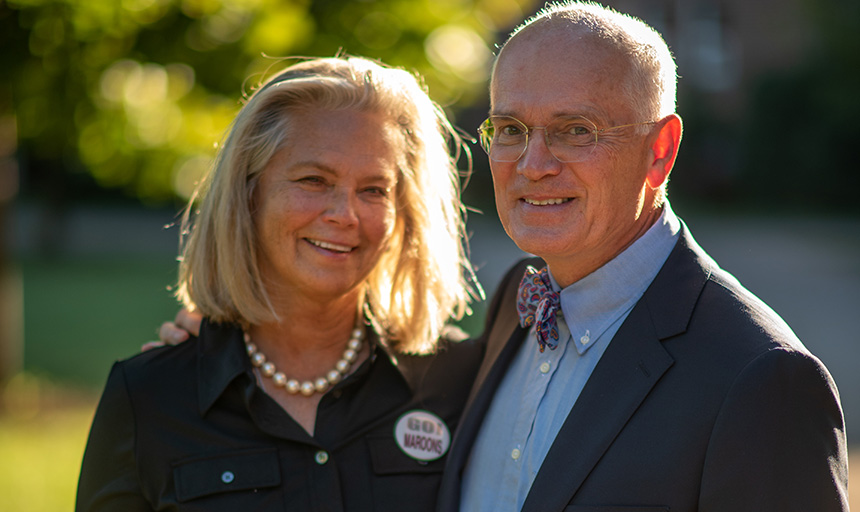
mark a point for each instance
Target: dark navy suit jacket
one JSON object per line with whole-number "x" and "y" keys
{"x": 704, "y": 401}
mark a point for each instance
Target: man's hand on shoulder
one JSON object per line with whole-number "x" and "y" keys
{"x": 185, "y": 324}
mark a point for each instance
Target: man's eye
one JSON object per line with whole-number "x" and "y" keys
{"x": 510, "y": 130}
{"x": 574, "y": 133}
{"x": 574, "y": 129}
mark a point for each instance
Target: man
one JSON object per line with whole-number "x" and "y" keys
{"x": 647, "y": 378}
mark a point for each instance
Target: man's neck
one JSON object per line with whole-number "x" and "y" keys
{"x": 567, "y": 270}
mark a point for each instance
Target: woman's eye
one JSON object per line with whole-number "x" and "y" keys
{"x": 377, "y": 191}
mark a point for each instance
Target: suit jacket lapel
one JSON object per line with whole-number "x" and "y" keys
{"x": 633, "y": 363}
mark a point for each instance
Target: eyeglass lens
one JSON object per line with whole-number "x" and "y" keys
{"x": 569, "y": 139}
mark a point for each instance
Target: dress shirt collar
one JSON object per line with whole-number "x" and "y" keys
{"x": 593, "y": 303}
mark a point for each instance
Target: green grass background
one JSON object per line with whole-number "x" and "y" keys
{"x": 80, "y": 315}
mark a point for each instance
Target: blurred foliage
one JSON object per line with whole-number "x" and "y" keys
{"x": 132, "y": 94}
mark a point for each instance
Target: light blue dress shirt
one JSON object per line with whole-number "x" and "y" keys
{"x": 540, "y": 389}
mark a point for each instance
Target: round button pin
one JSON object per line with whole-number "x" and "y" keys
{"x": 422, "y": 435}
{"x": 227, "y": 477}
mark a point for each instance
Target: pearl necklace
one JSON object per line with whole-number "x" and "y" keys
{"x": 307, "y": 388}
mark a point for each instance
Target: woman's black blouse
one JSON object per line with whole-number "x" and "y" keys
{"x": 187, "y": 428}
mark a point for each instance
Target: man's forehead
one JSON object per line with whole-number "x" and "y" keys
{"x": 577, "y": 77}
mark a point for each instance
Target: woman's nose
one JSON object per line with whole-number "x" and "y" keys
{"x": 341, "y": 207}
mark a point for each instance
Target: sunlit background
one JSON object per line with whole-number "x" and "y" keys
{"x": 110, "y": 111}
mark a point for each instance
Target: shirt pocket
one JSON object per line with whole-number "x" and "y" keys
{"x": 388, "y": 459}
{"x": 226, "y": 472}
{"x": 400, "y": 482}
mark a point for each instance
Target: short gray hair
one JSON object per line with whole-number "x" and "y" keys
{"x": 654, "y": 72}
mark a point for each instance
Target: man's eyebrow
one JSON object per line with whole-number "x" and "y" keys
{"x": 587, "y": 113}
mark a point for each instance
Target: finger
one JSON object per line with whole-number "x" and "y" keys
{"x": 149, "y": 345}
{"x": 171, "y": 334}
{"x": 189, "y": 320}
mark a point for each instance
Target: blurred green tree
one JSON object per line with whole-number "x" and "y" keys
{"x": 132, "y": 94}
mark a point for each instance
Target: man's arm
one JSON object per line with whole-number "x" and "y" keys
{"x": 779, "y": 441}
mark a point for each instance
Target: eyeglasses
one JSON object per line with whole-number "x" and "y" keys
{"x": 568, "y": 138}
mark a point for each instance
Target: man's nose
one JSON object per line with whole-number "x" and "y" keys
{"x": 537, "y": 161}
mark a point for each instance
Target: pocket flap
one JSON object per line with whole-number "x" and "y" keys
{"x": 226, "y": 472}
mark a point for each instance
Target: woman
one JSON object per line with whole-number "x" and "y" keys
{"x": 326, "y": 258}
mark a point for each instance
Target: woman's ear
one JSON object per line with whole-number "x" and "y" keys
{"x": 664, "y": 150}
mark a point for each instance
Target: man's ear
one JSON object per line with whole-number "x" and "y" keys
{"x": 664, "y": 150}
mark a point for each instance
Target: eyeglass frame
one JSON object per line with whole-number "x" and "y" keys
{"x": 486, "y": 142}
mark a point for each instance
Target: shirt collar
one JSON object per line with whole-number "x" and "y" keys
{"x": 222, "y": 358}
{"x": 592, "y": 304}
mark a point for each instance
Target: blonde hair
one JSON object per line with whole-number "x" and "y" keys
{"x": 423, "y": 282}
{"x": 652, "y": 87}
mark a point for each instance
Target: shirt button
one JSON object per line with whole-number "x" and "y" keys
{"x": 585, "y": 339}
{"x": 321, "y": 457}
{"x": 544, "y": 368}
{"x": 227, "y": 477}
{"x": 515, "y": 454}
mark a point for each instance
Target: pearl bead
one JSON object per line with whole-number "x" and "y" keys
{"x": 333, "y": 377}
{"x": 251, "y": 348}
{"x": 307, "y": 388}
{"x": 293, "y": 386}
{"x": 268, "y": 369}
{"x": 354, "y": 344}
{"x": 350, "y": 355}
{"x": 357, "y": 334}
{"x": 342, "y": 366}
{"x": 279, "y": 378}
{"x": 321, "y": 384}
{"x": 258, "y": 359}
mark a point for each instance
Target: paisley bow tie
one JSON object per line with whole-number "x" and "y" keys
{"x": 538, "y": 304}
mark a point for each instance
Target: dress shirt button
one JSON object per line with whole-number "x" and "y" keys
{"x": 321, "y": 457}
{"x": 544, "y": 367}
{"x": 227, "y": 477}
{"x": 515, "y": 453}
{"x": 585, "y": 339}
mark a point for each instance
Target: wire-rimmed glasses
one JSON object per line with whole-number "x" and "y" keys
{"x": 568, "y": 138}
